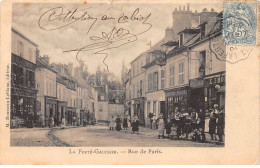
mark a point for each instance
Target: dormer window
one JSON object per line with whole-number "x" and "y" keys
{"x": 181, "y": 39}
{"x": 202, "y": 31}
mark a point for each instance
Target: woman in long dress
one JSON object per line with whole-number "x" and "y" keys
{"x": 135, "y": 125}
{"x": 160, "y": 127}
{"x": 125, "y": 124}
{"x": 118, "y": 123}
{"x": 212, "y": 124}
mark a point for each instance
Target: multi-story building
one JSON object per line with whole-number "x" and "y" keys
{"x": 194, "y": 70}
{"x": 192, "y": 77}
{"x": 137, "y": 85}
{"x": 23, "y": 86}
{"x": 47, "y": 95}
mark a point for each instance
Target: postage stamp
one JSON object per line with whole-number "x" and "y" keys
{"x": 239, "y": 23}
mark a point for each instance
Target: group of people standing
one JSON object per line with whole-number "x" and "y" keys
{"x": 182, "y": 124}
{"x": 116, "y": 123}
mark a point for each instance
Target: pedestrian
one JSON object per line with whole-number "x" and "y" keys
{"x": 154, "y": 122}
{"x": 181, "y": 122}
{"x": 168, "y": 127}
{"x": 212, "y": 124}
{"x": 74, "y": 120}
{"x": 118, "y": 123}
{"x": 51, "y": 122}
{"x": 63, "y": 122}
{"x": 220, "y": 125}
{"x": 187, "y": 125}
{"x": 111, "y": 124}
{"x": 177, "y": 121}
{"x": 125, "y": 124}
{"x": 194, "y": 117}
{"x": 160, "y": 127}
{"x": 135, "y": 125}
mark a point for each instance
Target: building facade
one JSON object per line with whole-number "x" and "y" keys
{"x": 23, "y": 85}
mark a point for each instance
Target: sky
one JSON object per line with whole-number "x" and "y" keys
{"x": 95, "y": 37}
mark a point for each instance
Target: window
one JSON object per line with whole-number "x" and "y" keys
{"x": 154, "y": 108}
{"x": 202, "y": 63}
{"x": 150, "y": 82}
{"x": 148, "y": 108}
{"x": 142, "y": 64}
{"x": 100, "y": 107}
{"x": 20, "y": 48}
{"x": 147, "y": 59}
{"x": 181, "y": 39}
{"x": 202, "y": 31}
{"x": 47, "y": 88}
{"x": 137, "y": 68}
{"x": 155, "y": 81}
{"x": 181, "y": 73}
{"x": 133, "y": 70}
{"x": 133, "y": 91}
{"x": 171, "y": 76}
{"x": 141, "y": 88}
{"x": 162, "y": 79}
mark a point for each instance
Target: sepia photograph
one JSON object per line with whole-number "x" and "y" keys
{"x": 82, "y": 77}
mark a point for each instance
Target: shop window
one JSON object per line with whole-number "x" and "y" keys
{"x": 181, "y": 73}
{"x": 162, "y": 79}
{"x": 171, "y": 76}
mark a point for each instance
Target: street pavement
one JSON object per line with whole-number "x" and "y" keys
{"x": 95, "y": 136}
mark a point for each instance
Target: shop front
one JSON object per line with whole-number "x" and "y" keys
{"x": 177, "y": 97}
{"x": 197, "y": 92}
{"x": 138, "y": 107}
{"x": 23, "y": 113}
{"x": 51, "y": 110}
{"x": 69, "y": 114}
{"x": 62, "y": 108}
{"x": 215, "y": 86}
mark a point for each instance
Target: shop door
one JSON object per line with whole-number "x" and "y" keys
{"x": 162, "y": 107}
{"x": 197, "y": 100}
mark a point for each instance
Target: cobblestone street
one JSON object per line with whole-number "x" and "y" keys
{"x": 95, "y": 136}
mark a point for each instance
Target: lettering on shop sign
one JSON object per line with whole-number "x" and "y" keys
{"x": 216, "y": 80}
{"x": 130, "y": 24}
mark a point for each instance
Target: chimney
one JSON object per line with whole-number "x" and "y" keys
{"x": 46, "y": 59}
{"x": 183, "y": 8}
{"x": 188, "y": 7}
{"x": 70, "y": 68}
{"x": 179, "y": 8}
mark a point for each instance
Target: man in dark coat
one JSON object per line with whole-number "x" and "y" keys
{"x": 118, "y": 123}
{"x": 135, "y": 125}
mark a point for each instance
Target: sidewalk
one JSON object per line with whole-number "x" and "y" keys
{"x": 154, "y": 133}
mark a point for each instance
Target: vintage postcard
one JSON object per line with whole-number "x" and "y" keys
{"x": 129, "y": 82}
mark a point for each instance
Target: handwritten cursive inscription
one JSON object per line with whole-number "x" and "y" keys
{"x": 104, "y": 41}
